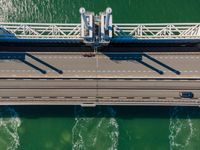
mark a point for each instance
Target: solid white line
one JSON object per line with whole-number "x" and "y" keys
{"x": 61, "y": 97}
{"x": 45, "y": 97}
{"x": 13, "y": 97}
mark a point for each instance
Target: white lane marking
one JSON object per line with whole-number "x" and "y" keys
{"x": 114, "y": 57}
{"x": 30, "y": 97}
{"x": 17, "y": 70}
{"x": 76, "y": 97}
{"x": 27, "y": 79}
{"x": 62, "y": 57}
{"x": 60, "y": 97}
{"x": 14, "y": 97}
{"x": 43, "y": 97}
{"x": 94, "y": 71}
{"x": 176, "y": 57}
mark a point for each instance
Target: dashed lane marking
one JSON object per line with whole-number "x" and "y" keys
{"x": 117, "y": 57}
{"x": 98, "y": 71}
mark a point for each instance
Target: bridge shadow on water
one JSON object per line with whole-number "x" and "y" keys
{"x": 139, "y": 57}
{"x": 25, "y": 58}
{"x": 122, "y": 112}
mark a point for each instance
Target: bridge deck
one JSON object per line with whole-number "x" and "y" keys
{"x": 103, "y": 65}
{"x": 106, "y": 79}
{"x": 98, "y": 92}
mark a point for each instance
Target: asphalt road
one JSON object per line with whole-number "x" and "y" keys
{"x": 102, "y": 65}
{"x": 98, "y": 92}
{"x": 82, "y": 80}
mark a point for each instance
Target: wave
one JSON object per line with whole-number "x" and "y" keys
{"x": 6, "y": 10}
{"x": 99, "y": 131}
{"x": 181, "y": 129}
{"x": 9, "y": 124}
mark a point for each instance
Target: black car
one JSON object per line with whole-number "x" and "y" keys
{"x": 186, "y": 94}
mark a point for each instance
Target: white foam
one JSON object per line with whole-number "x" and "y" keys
{"x": 9, "y": 123}
{"x": 6, "y": 9}
{"x": 177, "y": 128}
{"x": 87, "y": 131}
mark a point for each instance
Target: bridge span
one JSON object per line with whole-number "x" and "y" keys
{"x": 100, "y": 65}
{"x": 101, "y": 75}
{"x": 92, "y": 92}
{"x": 99, "y": 30}
{"x": 109, "y": 78}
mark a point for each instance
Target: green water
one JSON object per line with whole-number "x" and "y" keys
{"x": 100, "y": 128}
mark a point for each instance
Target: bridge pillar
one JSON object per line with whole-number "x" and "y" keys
{"x": 198, "y": 31}
{"x": 106, "y": 26}
{"x": 96, "y": 30}
{"x": 83, "y": 17}
{"x": 107, "y": 20}
{"x": 87, "y": 19}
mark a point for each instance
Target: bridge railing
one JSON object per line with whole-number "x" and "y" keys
{"x": 40, "y": 30}
{"x": 158, "y": 31}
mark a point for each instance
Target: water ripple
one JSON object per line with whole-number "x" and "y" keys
{"x": 89, "y": 131}
{"x": 9, "y": 124}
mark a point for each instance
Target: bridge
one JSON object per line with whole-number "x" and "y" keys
{"x": 99, "y": 30}
{"x": 167, "y": 76}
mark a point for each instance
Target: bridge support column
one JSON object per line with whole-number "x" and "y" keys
{"x": 87, "y": 23}
{"x": 96, "y": 30}
{"x": 106, "y": 26}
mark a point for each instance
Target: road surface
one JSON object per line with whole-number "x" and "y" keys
{"x": 93, "y": 92}
{"x": 102, "y": 65}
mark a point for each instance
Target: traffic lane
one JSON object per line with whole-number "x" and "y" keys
{"x": 93, "y": 93}
{"x": 152, "y": 64}
{"x": 104, "y": 66}
{"x": 99, "y": 84}
{"x": 165, "y": 93}
{"x": 70, "y": 67}
{"x": 47, "y": 93}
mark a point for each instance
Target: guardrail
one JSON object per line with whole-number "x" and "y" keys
{"x": 40, "y": 31}
{"x": 157, "y": 31}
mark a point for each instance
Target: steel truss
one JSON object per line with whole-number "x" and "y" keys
{"x": 158, "y": 31}
{"x": 40, "y": 31}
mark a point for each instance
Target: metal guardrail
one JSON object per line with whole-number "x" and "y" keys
{"x": 157, "y": 31}
{"x": 92, "y": 102}
{"x": 40, "y": 31}
{"x": 99, "y": 30}
{"x": 73, "y": 31}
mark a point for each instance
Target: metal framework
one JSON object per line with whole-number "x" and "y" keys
{"x": 98, "y": 30}
{"x": 40, "y": 31}
{"x": 158, "y": 31}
